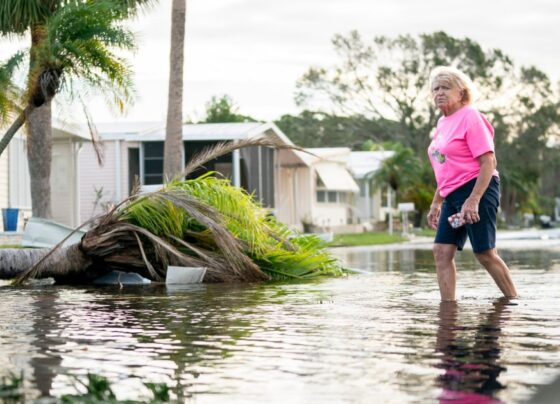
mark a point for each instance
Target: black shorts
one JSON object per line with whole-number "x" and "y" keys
{"x": 482, "y": 234}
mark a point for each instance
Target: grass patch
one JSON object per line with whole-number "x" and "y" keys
{"x": 10, "y": 246}
{"x": 424, "y": 232}
{"x": 370, "y": 238}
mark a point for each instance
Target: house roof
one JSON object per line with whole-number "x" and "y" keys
{"x": 336, "y": 154}
{"x": 66, "y": 130}
{"x": 150, "y": 131}
{"x": 118, "y": 130}
{"x": 363, "y": 163}
{"x": 61, "y": 130}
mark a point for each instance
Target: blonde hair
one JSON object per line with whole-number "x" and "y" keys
{"x": 456, "y": 78}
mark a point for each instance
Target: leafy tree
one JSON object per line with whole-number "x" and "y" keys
{"x": 223, "y": 109}
{"x": 319, "y": 129}
{"x": 71, "y": 41}
{"x": 524, "y": 132}
{"x": 388, "y": 78}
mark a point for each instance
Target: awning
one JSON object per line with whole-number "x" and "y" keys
{"x": 336, "y": 177}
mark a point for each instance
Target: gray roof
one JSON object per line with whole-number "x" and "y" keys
{"x": 363, "y": 163}
{"x": 201, "y": 131}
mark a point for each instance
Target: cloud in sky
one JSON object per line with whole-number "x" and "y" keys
{"x": 255, "y": 50}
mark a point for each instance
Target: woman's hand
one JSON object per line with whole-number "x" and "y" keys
{"x": 433, "y": 216}
{"x": 469, "y": 210}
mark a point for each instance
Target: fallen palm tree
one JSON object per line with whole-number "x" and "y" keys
{"x": 202, "y": 222}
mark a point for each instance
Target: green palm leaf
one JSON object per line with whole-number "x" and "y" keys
{"x": 10, "y": 93}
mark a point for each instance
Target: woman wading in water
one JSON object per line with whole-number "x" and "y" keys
{"x": 468, "y": 186}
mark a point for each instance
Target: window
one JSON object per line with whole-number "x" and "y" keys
{"x": 153, "y": 163}
{"x": 332, "y": 196}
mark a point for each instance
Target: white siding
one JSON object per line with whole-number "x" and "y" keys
{"x": 19, "y": 189}
{"x": 95, "y": 179}
{"x": 293, "y": 198}
{"x": 63, "y": 183}
{"x": 328, "y": 215}
{"x": 4, "y": 179}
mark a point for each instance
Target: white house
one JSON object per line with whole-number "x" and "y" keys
{"x": 372, "y": 203}
{"x": 314, "y": 188}
{"x": 331, "y": 189}
{"x": 318, "y": 191}
{"x": 65, "y": 188}
{"x": 134, "y": 152}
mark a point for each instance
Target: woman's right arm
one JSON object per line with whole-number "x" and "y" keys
{"x": 435, "y": 210}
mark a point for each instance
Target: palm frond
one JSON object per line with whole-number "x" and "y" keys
{"x": 10, "y": 94}
{"x": 17, "y": 16}
{"x": 80, "y": 42}
{"x": 244, "y": 218}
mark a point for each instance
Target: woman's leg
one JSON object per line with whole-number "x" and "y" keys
{"x": 498, "y": 270}
{"x": 444, "y": 256}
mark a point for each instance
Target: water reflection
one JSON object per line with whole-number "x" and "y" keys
{"x": 471, "y": 363}
{"x": 43, "y": 365}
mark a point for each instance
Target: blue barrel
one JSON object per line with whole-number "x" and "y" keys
{"x": 10, "y": 218}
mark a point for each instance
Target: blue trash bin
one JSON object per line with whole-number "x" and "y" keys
{"x": 10, "y": 218}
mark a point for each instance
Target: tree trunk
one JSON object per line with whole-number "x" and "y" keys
{"x": 39, "y": 156}
{"x": 66, "y": 264}
{"x": 39, "y": 129}
{"x": 173, "y": 149}
{"x": 12, "y": 130}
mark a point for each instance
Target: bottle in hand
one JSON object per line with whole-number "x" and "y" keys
{"x": 456, "y": 220}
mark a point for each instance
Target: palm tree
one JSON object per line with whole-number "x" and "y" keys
{"x": 201, "y": 222}
{"x": 70, "y": 40}
{"x": 398, "y": 171}
{"x": 173, "y": 149}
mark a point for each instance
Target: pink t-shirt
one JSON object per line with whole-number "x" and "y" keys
{"x": 459, "y": 139}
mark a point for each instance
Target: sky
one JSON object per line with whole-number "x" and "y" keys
{"x": 255, "y": 50}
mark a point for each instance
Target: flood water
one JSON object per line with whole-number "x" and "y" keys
{"x": 380, "y": 336}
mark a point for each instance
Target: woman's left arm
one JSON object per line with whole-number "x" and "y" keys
{"x": 469, "y": 209}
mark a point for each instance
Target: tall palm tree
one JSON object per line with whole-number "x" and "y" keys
{"x": 173, "y": 149}
{"x": 70, "y": 39}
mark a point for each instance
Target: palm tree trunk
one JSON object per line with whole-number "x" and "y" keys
{"x": 173, "y": 149}
{"x": 63, "y": 264}
{"x": 39, "y": 157}
{"x": 39, "y": 127}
